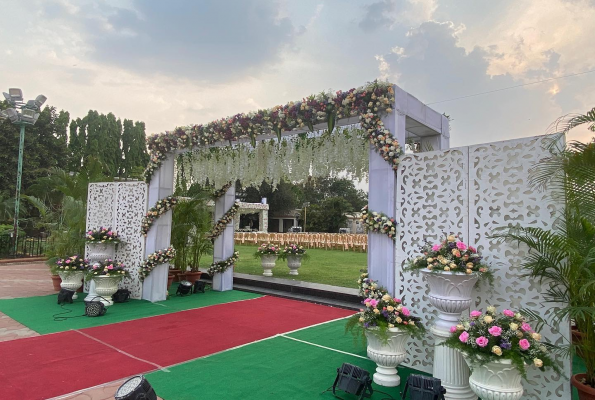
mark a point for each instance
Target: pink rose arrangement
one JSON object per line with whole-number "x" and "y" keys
{"x": 70, "y": 264}
{"x": 102, "y": 235}
{"x": 381, "y": 312}
{"x": 108, "y": 267}
{"x": 490, "y": 336}
{"x": 293, "y": 249}
{"x": 267, "y": 249}
{"x": 450, "y": 255}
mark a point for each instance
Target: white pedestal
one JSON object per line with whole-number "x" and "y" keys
{"x": 92, "y": 293}
{"x": 450, "y": 367}
{"x": 223, "y": 247}
{"x": 155, "y": 285}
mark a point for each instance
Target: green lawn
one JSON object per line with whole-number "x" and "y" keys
{"x": 331, "y": 267}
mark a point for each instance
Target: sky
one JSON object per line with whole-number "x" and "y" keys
{"x": 180, "y": 62}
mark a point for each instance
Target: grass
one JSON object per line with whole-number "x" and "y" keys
{"x": 330, "y": 267}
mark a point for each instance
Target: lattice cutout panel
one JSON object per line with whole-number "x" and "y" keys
{"x": 121, "y": 205}
{"x": 471, "y": 191}
{"x": 431, "y": 200}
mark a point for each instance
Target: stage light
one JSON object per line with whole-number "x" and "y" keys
{"x": 424, "y": 388}
{"x": 199, "y": 286}
{"x": 28, "y": 115}
{"x": 184, "y": 288}
{"x": 94, "y": 308}
{"x": 15, "y": 94}
{"x": 136, "y": 388}
{"x": 3, "y": 114}
{"x": 353, "y": 380}
{"x": 39, "y": 100}
{"x": 12, "y": 114}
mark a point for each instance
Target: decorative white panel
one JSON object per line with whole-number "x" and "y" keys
{"x": 500, "y": 196}
{"x": 432, "y": 200}
{"x": 121, "y": 205}
{"x": 472, "y": 191}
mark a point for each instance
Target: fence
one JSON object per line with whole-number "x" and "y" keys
{"x": 342, "y": 241}
{"x": 27, "y": 246}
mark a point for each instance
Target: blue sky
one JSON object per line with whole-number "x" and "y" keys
{"x": 175, "y": 62}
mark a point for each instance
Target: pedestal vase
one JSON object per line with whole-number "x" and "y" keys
{"x": 387, "y": 355}
{"x": 294, "y": 262}
{"x": 496, "y": 380}
{"x": 450, "y": 293}
{"x": 267, "y": 261}
{"x": 105, "y": 287}
{"x": 71, "y": 281}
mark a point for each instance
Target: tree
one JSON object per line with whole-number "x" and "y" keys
{"x": 134, "y": 149}
{"x": 328, "y": 216}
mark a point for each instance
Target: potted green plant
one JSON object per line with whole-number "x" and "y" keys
{"x": 563, "y": 258}
{"x": 200, "y": 245}
{"x": 268, "y": 254}
{"x": 498, "y": 347}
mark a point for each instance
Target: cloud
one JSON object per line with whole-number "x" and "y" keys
{"x": 388, "y": 13}
{"x": 209, "y": 40}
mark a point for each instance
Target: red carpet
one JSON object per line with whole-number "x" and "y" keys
{"x": 46, "y": 366}
{"x": 52, "y": 365}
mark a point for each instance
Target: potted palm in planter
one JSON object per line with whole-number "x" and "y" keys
{"x": 200, "y": 245}
{"x": 387, "y": 325}
{"x": 498, "y": 347}
{"x": 268, "y": 254}
{"x": 71, "y": 271}
{"x": 106, "y": 275}
{"x": 294, "y": 254}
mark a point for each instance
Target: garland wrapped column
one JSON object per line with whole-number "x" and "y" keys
{"x": 226, "y": 208}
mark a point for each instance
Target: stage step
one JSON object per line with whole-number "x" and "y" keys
{"x": 334, "y": 296}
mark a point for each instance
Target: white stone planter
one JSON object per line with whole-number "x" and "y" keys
{"x": 99, "y": 252}
{"x": 294, "y": 262}
{"x": 450, "y": 293}
{"x": 71, "y": 281}
{"x": 387, "y": 355}
{"x": 497, "y": 380}
{"x": 267, "y": 261}
{"x": 106, "y": 286}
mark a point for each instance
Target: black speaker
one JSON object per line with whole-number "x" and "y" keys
{"x": 121, "y": 296}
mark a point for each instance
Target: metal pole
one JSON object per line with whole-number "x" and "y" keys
{"x": 305, "y": 216}
{"x": 17, "y": 201}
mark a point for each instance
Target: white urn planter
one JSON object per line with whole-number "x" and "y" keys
{"x": 267, "y": 261}
{"x": 71, "y": 281}
{"x": 497, "y": 380}
{"x": 99, "y": 252}
{"x": 387, "y": 355}
{"x": 294, "y": 262}
{"x": 451, "y": 294}
{"x": 106, "y": 286}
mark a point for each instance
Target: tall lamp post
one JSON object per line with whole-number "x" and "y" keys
{"x": 306, "y": 204}
{"x": 21, "y": 114}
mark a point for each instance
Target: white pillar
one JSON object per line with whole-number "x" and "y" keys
{"x": 236, "y": 221}
{"x": 281, "y": 225}
{"x": 263, "y": 221}
{"x": 223, "y": 248}
{"x": 382, "y": 198}
{"x": 159, "y": 236}
{"x": 451, "y": 368}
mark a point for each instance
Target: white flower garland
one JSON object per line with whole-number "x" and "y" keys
{"x": 344, "y": 151}
{"x": 220, "y": 225}
{"x": 378, "y": 222}
{"x": 220, "y": 267}
{"x": 154, "y": 259}
{"x": 161, "y": 207}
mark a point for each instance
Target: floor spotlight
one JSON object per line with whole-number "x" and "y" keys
{"x": 136, "y": 388}
{"x": 353, "y": 380}
{"x": 199, "y": 286}
{"x": 424, "y": 388}
{"x": 184, "y": 288}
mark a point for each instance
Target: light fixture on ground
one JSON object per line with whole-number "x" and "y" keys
{"x": 184, "y": 288}
{"x": 136, "y": 388}
{"x": 20, "y": 114}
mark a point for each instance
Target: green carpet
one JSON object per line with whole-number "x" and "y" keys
{"x": 37, "y": 313}
{"x": 277, "y": 368}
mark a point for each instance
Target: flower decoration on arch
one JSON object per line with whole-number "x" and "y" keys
{"x": 161, "y": 207}
{"x": 225, "y": 219}
{"x": 370, "y": 102}
{"x": 220, "y": 267}
{"x": 378, "y": 222}
{"x": 154, "y": 259}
